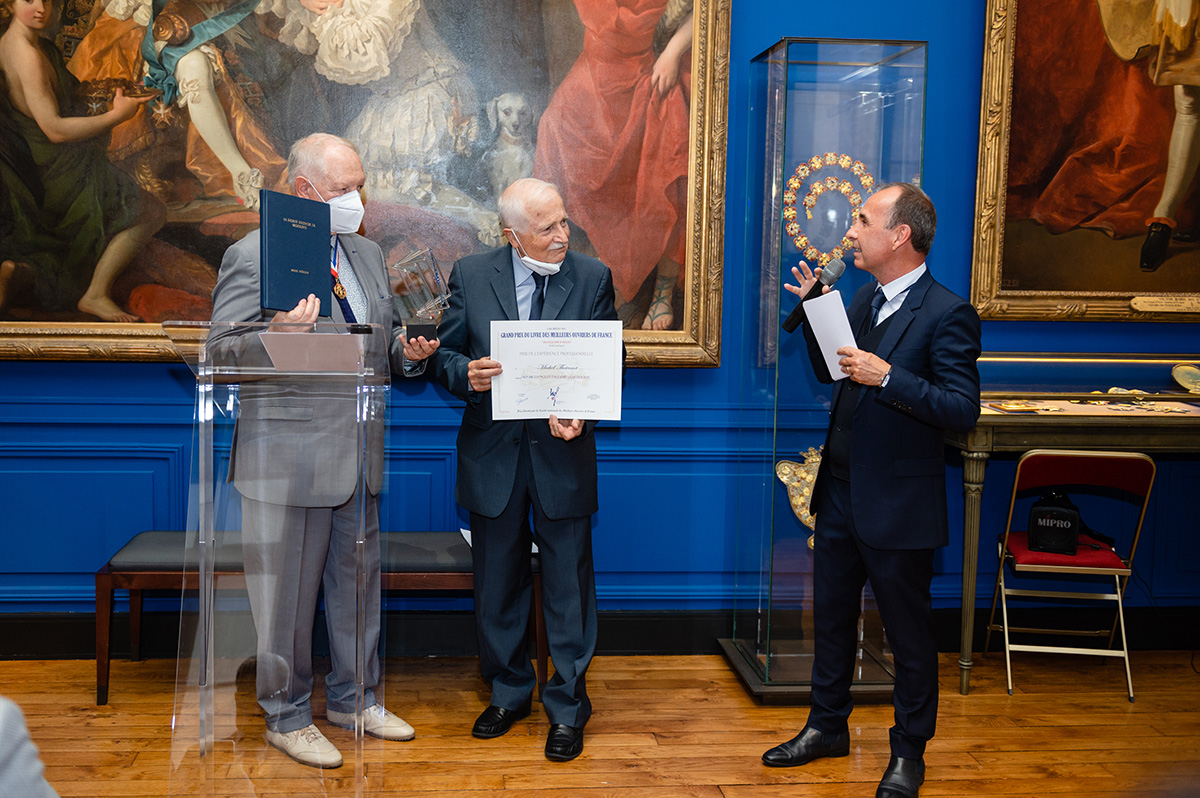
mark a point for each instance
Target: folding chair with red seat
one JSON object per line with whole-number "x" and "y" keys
{"x": 1123, "y": 476}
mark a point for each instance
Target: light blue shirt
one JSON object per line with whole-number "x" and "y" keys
{"x": 895, "y": 292}
{"x": 523, "y": 278}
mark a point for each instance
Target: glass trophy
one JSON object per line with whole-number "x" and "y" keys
{"x": 420, "y": 293}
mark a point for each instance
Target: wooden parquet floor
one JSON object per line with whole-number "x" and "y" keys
{"x": 670, "y": 727}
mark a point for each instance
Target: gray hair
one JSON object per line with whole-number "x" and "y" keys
{"x": 913, "y": 208}
{"x": 515, "y": 198}
{"x": 307, "y": 156}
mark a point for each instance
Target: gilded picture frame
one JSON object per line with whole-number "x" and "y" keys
{"x": 692, "y": 341}
{"x": 1021, "y": 268}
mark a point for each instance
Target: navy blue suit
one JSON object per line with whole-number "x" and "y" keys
{"x": 885, "y": 521}
{"x": 506, "y": 469}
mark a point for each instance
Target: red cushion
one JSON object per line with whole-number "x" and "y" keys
{"x": 1084, "y": 557}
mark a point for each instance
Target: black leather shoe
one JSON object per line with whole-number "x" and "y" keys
{"x": 902, "y": 779}
{"x": 1189, "y": 236}
{"x": 496, "y": 721}
{"x": 564, "y": 742}
{"x": 1154, "y": 250}
{"x": 806, "y": 746}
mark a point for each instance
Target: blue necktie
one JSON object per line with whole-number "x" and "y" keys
{"x": 877, "y": 303}
{"x": 871, "y": 318}
{"x": 539, "y": 297}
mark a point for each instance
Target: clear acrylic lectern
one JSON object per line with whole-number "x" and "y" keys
{"x": 288, "y": 442}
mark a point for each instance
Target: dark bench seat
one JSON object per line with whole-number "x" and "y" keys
{"x": 154, "y": 560}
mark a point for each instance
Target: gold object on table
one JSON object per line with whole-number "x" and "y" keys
{"x": 1188, "y": 377}
{"x": 1016, "y": 406}
{"x": 1025, "y": 406}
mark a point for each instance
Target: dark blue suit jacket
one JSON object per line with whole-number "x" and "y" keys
{"x": 482, "y": 289}
{"x": 897, "y": 457}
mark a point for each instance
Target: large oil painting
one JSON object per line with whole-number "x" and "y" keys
{"x": 132, "y": 156}
{"x": 1086, "y": 204}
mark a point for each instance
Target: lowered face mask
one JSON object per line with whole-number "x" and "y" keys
{"x": 345, "y": 212}
{"x": 536, "y": 266}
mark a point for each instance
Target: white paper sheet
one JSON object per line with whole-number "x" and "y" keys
{"x": 571, "y": 369}
{"x": 827, "y": 319}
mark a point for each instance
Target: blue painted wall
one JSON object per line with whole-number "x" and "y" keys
{"x": 92, "y": 453}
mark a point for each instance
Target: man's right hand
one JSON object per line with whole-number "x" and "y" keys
{"x": 480, "y": 373}
{"x": 805, "y": 279}
{"x": 300, "y": 318}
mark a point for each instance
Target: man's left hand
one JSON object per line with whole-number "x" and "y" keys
{"x": 416, "y": 349}
{"x": 567, "y": 428}
{"x": 863, "y": 367}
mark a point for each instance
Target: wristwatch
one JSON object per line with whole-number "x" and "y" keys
{"x": 883, "y": 383}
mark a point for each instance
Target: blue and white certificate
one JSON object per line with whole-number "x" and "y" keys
{"x": 570, "y": 369}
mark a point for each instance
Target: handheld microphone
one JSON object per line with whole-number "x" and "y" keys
{"x": 829, "y": 276}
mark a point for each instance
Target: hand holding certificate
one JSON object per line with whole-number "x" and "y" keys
{"x": 568, "y": 369}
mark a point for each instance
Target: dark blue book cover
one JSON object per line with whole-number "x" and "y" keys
{"x": 293, "y": 251}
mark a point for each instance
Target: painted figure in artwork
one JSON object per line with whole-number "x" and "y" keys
{"x": 614, "y": 139}
{"x": 420, "y": 110}
{"x": 1165, "y": 31}
{"x": 71, "y": 222}
{"x": 229, "y": 92}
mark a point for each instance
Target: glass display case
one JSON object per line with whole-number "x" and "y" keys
{"x": 830, "y": 122}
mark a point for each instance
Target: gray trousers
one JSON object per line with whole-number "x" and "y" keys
{"x": 290, "y": 552}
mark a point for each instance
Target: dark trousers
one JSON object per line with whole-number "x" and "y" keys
{"x": 504, "y": 593}
{"x": 900, "y": 580}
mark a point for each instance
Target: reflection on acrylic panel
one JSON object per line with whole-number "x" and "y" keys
{"x": 447, "y": 103}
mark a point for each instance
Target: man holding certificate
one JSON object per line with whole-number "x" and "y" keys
{"x": 512, "y": 471}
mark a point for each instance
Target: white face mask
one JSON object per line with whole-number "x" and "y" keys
{"x": 345, "y": 212}
{"x": 536, "y": 266}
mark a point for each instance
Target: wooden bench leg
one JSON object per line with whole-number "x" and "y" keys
{"x": 135, "y": 624}
{"x": 539, "y": 635}
{"x": 104, "y": 602}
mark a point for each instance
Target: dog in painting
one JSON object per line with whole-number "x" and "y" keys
{"x": 510, "y": 157}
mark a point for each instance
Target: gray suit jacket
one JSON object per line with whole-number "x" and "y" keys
{"x": 482, "y": 289}
{"x": 296, "y": 442}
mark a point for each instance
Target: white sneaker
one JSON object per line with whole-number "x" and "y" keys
{"x": 377, "y": 722}
{"x": 307, "y": 746}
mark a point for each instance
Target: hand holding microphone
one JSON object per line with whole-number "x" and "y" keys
{"x": 825, "y": 277}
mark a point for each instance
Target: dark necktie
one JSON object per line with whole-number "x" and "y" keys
{"x": 539, "y": 297}
{"x": 876, "y": 303}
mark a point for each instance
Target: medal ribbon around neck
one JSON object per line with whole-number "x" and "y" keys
{"x": 845, "y": 187}
{"x": 339, "y": 290}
